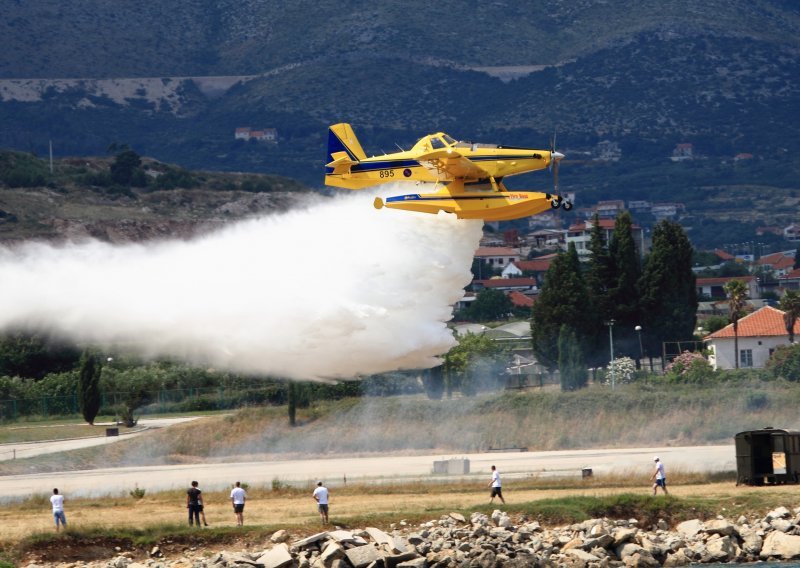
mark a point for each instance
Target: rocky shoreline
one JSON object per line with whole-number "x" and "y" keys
{"x": 496, "y": 541}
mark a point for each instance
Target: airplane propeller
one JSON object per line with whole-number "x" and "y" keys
{"x": 555, "y": 159}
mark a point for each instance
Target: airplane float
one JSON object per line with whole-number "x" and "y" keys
{"x": 467, "y": 177}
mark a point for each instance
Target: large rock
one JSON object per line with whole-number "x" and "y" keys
{"x": 689, "y": 529}
{"x": 362, "y": 556}
{"x": 379, "y": 536}
{"x": 582, "y": 555}
{"x": 276, "y": 557}
{"x": 333, "y": 551}
{"x": 751, "y": 542}
{"x": 279, "y": 536}
{"x": 780, "y": 545}
{"x": 721, "y": 549}
{"x": 676, "y": 559}
{"x": 623, "y": 535}
{"x": 628, "y": 549}
{"x": 779, "y": 513}
{"x": 302, "y": 543}
{"x": 720, "y": 527}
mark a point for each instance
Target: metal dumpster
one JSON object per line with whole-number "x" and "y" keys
{"x": 767, "y": 456}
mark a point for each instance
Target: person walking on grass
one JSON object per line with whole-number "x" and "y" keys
{"x": 238, "y": 497}
{"x": 660, "y": 477}
{"x": 497, "y": 489}
{"x": 58, "y": 509}
{"x": 320, "y": 495}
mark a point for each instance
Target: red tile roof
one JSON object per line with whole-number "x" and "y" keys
{"x": 507, "y": 282}
{"x": 496, "y": 251}
{"x": 519, "y": 299}
{"x": 723, "y": 255}
{"x": 767, "y": 321}
{"x": 534, "y": 265}
{"x": 793, "y": 274}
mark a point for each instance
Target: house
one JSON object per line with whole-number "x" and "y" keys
{"x": 638, "y": 206}
{"x": 548, "y": 238}
{"x": 497, "y": 257}
{"x": 609, "y": 209}
{"x": 715, "y": 287}
{"x": 242, "y": 133}
{"x": 683, "y": 151}
{"x": 263, "y": 135}
{"x": 790, "y": 281}
{"x": 792, "y": 233}
{"x": 520, "y": 300}
{"x": 780, "y": 263}
{"x": 536, "y": 267}
{"x": 666, "y": 210}
{"x": 759, "y": 334}
{"x": 581, "y": 234}
{"x": 742, "y": 156}
{"x": 724, "y": 256}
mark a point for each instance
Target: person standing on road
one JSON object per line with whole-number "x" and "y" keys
{"x": 193, "y": 504}
{"x": 238, "y": 497}
{"x": 58, "y": 509}
{"x": 660, "y": 477}
{"x": 321, "y": 494}
{"x": 497, "y": 489}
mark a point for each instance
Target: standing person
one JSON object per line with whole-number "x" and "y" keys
{"x": 660, "y": 477}
{"x": 193, "y": 501}
{"x": 58, "y": 509}
{"x": 238, "y": 497}
{"x": 497, "y": 489}
{"x": 321, "y": 497}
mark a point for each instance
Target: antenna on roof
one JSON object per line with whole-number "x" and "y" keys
{"x": 399, "y": 147}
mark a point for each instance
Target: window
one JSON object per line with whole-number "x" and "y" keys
{"x": 437, "y": 143}
{"x": 746, "y": 358}
{"x": 448, "y": 140}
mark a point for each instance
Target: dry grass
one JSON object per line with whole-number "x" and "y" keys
{"x": 376, "y": 505}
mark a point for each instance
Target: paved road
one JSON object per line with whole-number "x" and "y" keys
{"x": 21, "y": 450}
{"x": 512, "y": 465}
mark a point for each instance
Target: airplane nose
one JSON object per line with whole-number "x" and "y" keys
{"x": 556, "y": 156}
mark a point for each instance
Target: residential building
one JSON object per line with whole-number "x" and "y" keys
{"x": 609, "y": 209}
{"x": 790, "y": 281}
{"x": 683, "y": 151}
{"x": 580, "y": 234}
{"x": 792, "y": 233}
{"x": 759, "y": 334}
{"x": 639, "y": 206}
{"x": 263, "y": 135}
{"x": 506, "y": 284}
{"x": 780, "y": 263}
{"x": 534, "y": 268}
{"x": 715, "y": 287}
{"x": 497, "y": 257}
{"x": 666, "y": 210}
{"x": 242, "y": 133}
{"x": 548, "y": 238}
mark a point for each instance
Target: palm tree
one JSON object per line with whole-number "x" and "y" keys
{"x": 736, "y": 291}
{"x": 790, "y": 304}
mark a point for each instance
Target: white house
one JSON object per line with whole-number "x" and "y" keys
{"x": 760, "y": 333}
{"x": 497, "y": 257}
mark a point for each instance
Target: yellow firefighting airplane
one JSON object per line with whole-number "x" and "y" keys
{"x": 468, "y": 177}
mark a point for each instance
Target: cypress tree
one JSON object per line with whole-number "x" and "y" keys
{"x": 623, "y": 294}
{"x": 562, "y": 301}
{"x": 599, "y": 277}
{"x": 89, "y": 386}
{"x": 571, "y": 365}
{"x": 667, "y": 288}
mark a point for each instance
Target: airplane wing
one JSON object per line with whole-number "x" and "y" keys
{"x": 449, "y": 164}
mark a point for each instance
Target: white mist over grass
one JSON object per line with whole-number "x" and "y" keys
{"x": 331, "y": 290}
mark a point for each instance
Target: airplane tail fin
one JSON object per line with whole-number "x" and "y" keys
{"x": 344, "y": 151}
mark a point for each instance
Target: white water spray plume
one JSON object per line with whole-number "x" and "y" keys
{"x": 332, "y": 290}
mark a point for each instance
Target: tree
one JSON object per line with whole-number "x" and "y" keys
{"x": 790, "y": 304}
{"x": 736, "y": 292}
{"x": 490, "y": 305}
{"x": 785, "y": 362}
{"x": 667, "y": 288}
{"x": 33, "y": 355}
{"x": 125, "y": 166}
{"x": 571, "y": 365}
{"x": 433, "y": 381}
{"x": 562, "y": 301}
{"x": 623, "y": 296}
{"x": 473, "y": 364}
{"x": 599, "y": 275}
{"x": 89, "y": 386}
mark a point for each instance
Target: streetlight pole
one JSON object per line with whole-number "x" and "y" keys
{"x": 638, "y": 329}
{"x": 610, "y": 324}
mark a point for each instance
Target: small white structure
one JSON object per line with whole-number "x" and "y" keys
{"x": 760, "y": 333}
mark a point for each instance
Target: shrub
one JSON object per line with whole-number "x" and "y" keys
{"x": 137, "y": 492}
{"x": 689, "y": 367}
{"x": 785, "y": 362}
{"x": 623, "y": 370}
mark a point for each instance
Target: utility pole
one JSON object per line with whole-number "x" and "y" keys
{"x": 610, "y": 324}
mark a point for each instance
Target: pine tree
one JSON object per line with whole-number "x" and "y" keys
{"x": 599, "y": 275}
{"x": 571, "y": 365}
{"x": 667, "y": 289}
{"x": 89, "y": 386}
{"x": 562, "y": 301}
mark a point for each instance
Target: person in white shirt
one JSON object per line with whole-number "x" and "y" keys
{"x": 238, "y": 497}
{"x": 660, "y": 477}
{"x": 321, "y": 497}
{"x": 497, "y": 490}
{"x": 58, "y": 509}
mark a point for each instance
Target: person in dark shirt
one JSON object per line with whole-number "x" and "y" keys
{"x": 194, "y": 503}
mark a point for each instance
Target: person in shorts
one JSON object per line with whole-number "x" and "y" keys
{"x": 660, "y": 477}
{"x": 57, "y": 501}
{"x": 320, "y": 495}
{"x": 238, "y": 497}
{"x": 496, "y": 485}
